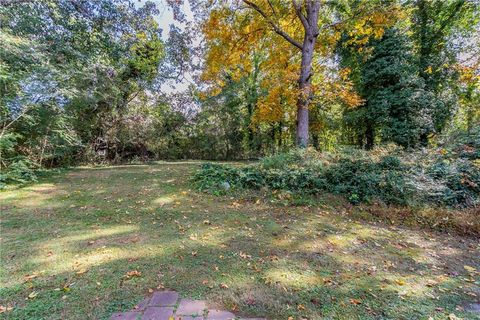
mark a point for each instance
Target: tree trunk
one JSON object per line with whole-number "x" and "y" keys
{"x": 304, "y": 84}
{"x": 315, "y": 141}
{"x": 369, "y": 137}
{"x": 250, "y": 135}
{"x": 310, "y": 23}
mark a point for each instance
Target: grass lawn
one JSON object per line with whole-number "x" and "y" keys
{"x": 70, "y": 246}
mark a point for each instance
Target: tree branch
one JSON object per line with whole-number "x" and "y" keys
{"x": 298, "y": 10}
{"x": 272, "y": 7}
{"x": 453, "y": 14}
{"x": 275, "y": 27}
{"x": 7, "y": 3}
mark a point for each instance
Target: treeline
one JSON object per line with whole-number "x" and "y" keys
{"x": 89, "y": 82}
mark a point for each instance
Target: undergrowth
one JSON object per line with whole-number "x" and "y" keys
{"x": 446, "y": 176}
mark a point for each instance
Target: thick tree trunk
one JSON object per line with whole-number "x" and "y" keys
{"x": 310, "y": 24}
{"x": 304, "y": 84}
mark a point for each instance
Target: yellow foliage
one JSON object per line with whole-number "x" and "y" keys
{"x": 233, "y": 37}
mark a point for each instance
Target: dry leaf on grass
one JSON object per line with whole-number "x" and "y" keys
{"x": 4, "y": 309}
{"x": 133, "y": 273}
{"x": 29, "y": 277}
{"x": 81, "y": 271}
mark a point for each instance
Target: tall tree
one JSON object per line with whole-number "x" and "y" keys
{"x": 307, "y": 12}
{"x": 397, "y": 105}
{"x": 434, "y": 24}
{"x": 297, "y": 39}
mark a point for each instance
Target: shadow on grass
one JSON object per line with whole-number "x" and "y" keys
{"x": 88, "y": 229}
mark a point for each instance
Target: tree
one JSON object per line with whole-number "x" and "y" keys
{"x": 435, "y": 24}
{"x": 73, "y": 64}
{"x": 297, "y": 39}
{"x": 307, "y": 12}
{"x": 397, "y": 105}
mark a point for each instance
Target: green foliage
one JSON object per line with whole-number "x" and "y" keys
{"x": 397, "y": 108}
{"x": 68, "y": 72}
{"x": 20, "y": 171}
{"x": 217, "y": 179}
{"x": 366, "y": 180}
{"x": 439, "y": 178}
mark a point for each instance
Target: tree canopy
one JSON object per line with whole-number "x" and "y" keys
{"x": 94, "y": 81}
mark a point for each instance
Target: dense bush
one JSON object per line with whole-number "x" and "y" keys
{"x": 20, "y": 170}
{"x": 386, "y": 175}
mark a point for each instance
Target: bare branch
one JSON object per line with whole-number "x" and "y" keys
{"x": 275, "y": 27}
{"x": 298, "y": 11}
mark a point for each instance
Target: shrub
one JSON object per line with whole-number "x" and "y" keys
{"x": 216, "y": 178}
{"x": 384, "y": 175}
{"x": 365, "y": 180}
{"x": 19, "y": 171}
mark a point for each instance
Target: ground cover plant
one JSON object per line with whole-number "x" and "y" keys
{"x": 448, "y": 175}
{"x": 90, "y": 241}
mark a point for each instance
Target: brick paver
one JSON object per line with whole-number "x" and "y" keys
{"x": 164, "y": 298}
{"x": 166, "y": 305}
{"x": 158, "y": 313}
{"x": 220, "y": 315}
{"x": 191, "y": 307}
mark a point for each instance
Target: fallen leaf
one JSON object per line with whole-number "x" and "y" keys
{"x": 355, "y": 301}
{"x": 131, "y": 274}
{"x": 81, "y": 271}
{"x": 4, "y": 309}
{"x": 251, "y": 301}
{"x": 33, "y": 295}
{"x": 223, "y": 286}
{"x": 29, "y": 277}
{"x": 400, "y": 282}
{"x": 431, "y": 283}
{"x": 470, "y": 269}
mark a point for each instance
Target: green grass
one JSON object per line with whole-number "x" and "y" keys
{"x": 78, "y": 234}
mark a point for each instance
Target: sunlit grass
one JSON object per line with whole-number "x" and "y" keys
{"x": 72, "y": 238}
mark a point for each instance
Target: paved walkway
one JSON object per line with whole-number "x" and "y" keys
{"x": 167, "y": 305}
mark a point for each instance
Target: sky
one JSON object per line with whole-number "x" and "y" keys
{"x": 165, "y": 19}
